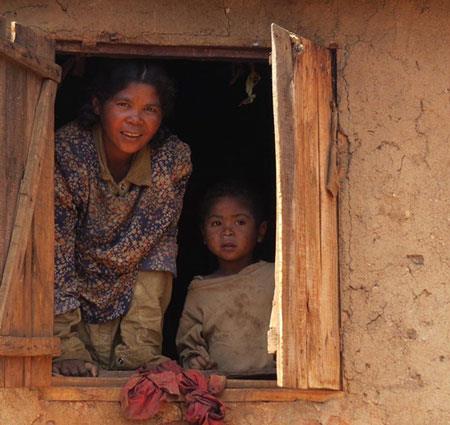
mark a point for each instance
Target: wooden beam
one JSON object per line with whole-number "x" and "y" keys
{"x": 156, "y": 51}
{"x": 17, "y": 346}
{"x": 230, "y": 395}
{"x": 119, "y": 378}
{"x": 26, "y": 58}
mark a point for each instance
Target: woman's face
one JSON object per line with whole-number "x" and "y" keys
{"x": 129, "y": 120}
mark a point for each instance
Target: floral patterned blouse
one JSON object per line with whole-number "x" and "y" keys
{"x": 103, "y": 236}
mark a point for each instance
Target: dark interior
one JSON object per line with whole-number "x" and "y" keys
{"x": 227, "y": 139}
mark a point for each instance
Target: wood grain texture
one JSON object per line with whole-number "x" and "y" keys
{"x": 28, "y": 346}
{"x": 26, "y": 199}
{"x": 43, "y": 239}
{"x": 22, "y": 46}
{"x": 230, "y": 395}
{"x": 26, "y": 232}
{"x": 5, "y": 232}
{"x": 291, "y": 353}
{"x": 324, "y": 350}
{"x": 214, "y": 53}
{"x": 306, "y": 245}
{"x": 16, "y": 149}
{"x": 118, "y": 378}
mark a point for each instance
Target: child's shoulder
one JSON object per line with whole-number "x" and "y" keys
{"x": 252, "y": 272}
{"x": 264, "y": 265}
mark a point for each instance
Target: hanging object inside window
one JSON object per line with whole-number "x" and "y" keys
{"x": 251, "y": 81}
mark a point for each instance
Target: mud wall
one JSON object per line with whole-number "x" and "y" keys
{"x": 394, "y": 101}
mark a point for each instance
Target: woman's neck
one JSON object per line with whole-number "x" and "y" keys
{"x": 118, "y": 163}
{"x": 118, "y": 169}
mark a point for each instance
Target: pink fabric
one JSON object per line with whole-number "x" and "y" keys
{"x": 145, "y": 392}
{"x": 203, "y": 408}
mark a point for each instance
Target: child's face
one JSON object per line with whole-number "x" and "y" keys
{"x": 230, "y": 231}
{"x": 129, "y": 119}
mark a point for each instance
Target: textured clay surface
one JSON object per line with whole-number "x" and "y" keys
{"x": 394, "y": 101}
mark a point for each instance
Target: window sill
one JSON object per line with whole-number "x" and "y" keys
{"x": 108, "y": 389}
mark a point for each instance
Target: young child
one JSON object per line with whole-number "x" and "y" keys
{"x": 120, "y": 179}
{"x": 226, "y": 314}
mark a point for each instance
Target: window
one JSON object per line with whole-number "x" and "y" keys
{"x": 306, "y": 243}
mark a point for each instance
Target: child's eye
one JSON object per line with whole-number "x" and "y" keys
{"x": 215, "y": 223}
{"x": 241, "y": 222}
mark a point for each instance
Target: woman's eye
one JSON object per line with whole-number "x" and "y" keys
{"x": 152, "y": 109}
{"x": 122, "y": 104}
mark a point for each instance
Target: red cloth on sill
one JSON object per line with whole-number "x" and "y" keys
{"x": 203, "y": 407}
{"x": 143, "y": 394}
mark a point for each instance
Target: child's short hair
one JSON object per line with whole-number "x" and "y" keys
{"x": 233, "y": 188}
{"x": 113, "y": 75}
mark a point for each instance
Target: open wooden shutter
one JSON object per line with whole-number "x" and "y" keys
{"x": 28, "y": 81}
{"x": 308, "y": 353}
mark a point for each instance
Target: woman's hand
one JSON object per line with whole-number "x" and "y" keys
{"x": 74, "y": 367}
{"x": 198, "y": 362}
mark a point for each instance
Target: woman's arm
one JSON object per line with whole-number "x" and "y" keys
{"x": 66, "y": 216}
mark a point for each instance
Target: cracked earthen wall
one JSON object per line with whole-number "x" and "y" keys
{"x": 394, "y": 93}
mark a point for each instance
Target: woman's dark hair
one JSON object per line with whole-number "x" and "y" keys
{"x": 239, "y": 189}
{"x": 113, "y": 75}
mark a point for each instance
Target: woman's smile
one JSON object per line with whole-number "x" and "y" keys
{"x": 129, "y": 119}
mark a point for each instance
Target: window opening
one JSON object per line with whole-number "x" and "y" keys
{"x": 229, "y": 136}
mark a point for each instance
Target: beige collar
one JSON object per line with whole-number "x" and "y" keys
{"x": 140, "y": 170}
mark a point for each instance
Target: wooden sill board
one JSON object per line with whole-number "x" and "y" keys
{"x": 108, "y": 390}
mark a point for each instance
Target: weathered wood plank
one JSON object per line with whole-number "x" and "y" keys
{"x": 43, "y": 259}
{"x": 28, "y": 60}
{"x": 24, "y": 327}
{"x": 325, "y": 361}
{"x": 230, "y": 395}
{"x": 15, "y": 148}
{"x": 26, "y": 199}
{"x": 32, "y": 51}
{"x": 34, "y": 40}
{"x": 28, "y": 346}
{"x": 308, "y": 219}
{"x": 214, "y": 53}
{"x": 109, "y": 378}
{"x": 306, "y": 252}
{"x": 26, "y": 248}
{"x": 16, "y": 325}
{"x": 4, "y": 159}
{"x": 289, "y": 277}
{"x": 17, "y": 143}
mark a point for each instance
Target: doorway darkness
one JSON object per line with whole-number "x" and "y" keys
{"x": 227, "y": 137}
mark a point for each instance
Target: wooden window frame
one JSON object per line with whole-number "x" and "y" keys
{"x": 307, "y": 288}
